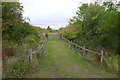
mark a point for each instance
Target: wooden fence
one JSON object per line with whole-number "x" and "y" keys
{"x": 83, "y": 51}
{"x": 53, "y": 37}
{"x": 31, "y": 54}
{"x": 39, "y": 50}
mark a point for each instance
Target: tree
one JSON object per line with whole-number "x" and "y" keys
{"x": 14, "y": 27}
{"x": 108, "y": 30}
{"x": 49, "y": 29}
{"x": 98, "y": 26}
{"x": 11, "y": 15}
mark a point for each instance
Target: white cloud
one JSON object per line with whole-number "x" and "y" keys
{"x": 54, "y": 13}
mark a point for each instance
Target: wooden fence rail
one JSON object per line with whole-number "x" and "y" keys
{"x": 82, "y": 50}
{"x": 53, "y": 37}
{"x": 40, "y": 49}
{"x": 30, "y": 54}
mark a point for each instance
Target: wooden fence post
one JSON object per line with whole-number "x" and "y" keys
{"x": 83, "y": 50}
{"x": 30, "y": 54}
{"x": 69, "y": 45}
{"x": 72, "y": 46}
{"x": 101, "y": 58}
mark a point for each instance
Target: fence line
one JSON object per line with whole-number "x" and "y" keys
{"x": 30, "y": 53}
{"x": 28, "y": 56}
{"x": 40, "y": 49}
{"x": 82, "y": 50}
{"x": 53, "y": 37}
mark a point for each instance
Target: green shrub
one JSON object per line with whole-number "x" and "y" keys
{"x": 112, "y": 63}
{"x": 18, "y": 69}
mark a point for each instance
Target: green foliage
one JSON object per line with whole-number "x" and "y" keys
{"x": 61, "y": 28}
{"x": 11, "y": 15}
{"x": 98, "y": 29}
{"x": 49, "y": 29}
{"x": 18, "y": 35}
{"x": 112, "y": 63}
{"x": 98, "y": 26}
{"x": 18, "y": 69}
{"x": 15, "y": 30}
{"x": 108, "y": 30}
{"x": 71, "y": 31}
{"x": 70, "y": 36}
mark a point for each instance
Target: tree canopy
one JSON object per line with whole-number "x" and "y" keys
{"x": 98, "y": 26}
{"x": 49, "y": 29}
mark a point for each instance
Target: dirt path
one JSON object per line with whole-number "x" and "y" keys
{"x": 61, "y": 62}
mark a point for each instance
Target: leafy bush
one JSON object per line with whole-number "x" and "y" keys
{"x": 18, "y": 69}
{"x": 18, "y": 36}
{"x": 96, "y": 26}
{"x": 112, "y": 63}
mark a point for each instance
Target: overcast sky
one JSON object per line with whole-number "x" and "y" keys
{"x": 53, "y": 13}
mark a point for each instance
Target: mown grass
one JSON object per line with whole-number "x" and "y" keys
{"x": 61, "y": 62}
